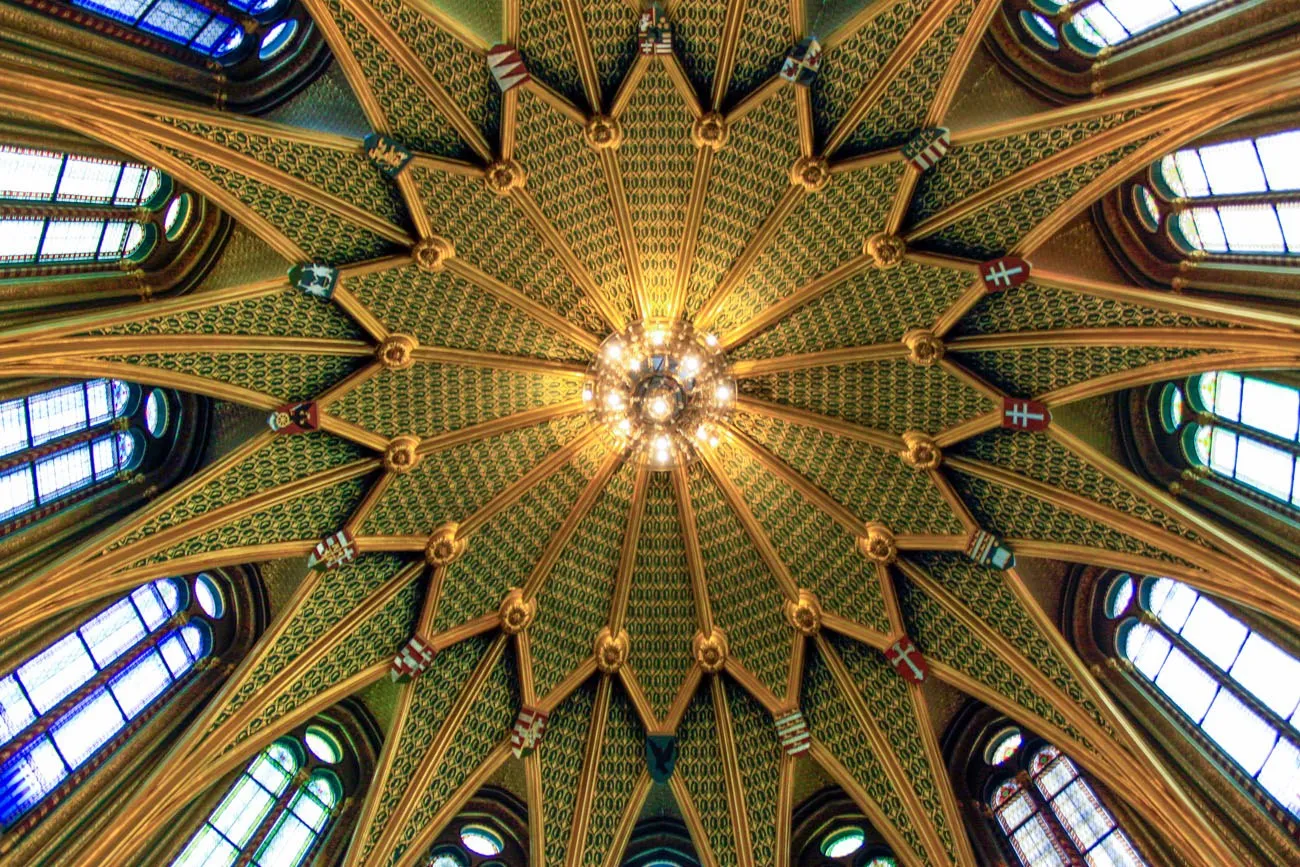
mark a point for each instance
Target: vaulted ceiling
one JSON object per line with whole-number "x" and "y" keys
{"x": 623, "y": 599}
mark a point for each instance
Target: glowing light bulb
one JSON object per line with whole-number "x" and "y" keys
{"x": 587, "y": 393}
{"x": 723, "y": 393}
{"x": 614, "y": 351}
{"x": 690, "y": 365}
{"x": 625, "y": 427}
{"x": 711, "y": 339}
{"x": 657, "y": 337}
{"x": 702, "y": 433}
{"x": 634, "y": 364}
{"x": 614, "y": 400}
{"x": 660, "y": 408}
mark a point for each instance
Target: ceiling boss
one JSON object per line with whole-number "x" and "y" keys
{"x": 662, "y": 389}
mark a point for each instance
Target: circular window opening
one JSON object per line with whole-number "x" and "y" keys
{"x": 1119, "y": 596}
{"x": 448, "y": 856}
{"x": 1043, "y": 30}
{"x": 209, "y": 597}
{"x": 155, "y": 413}
{"x": 1004, "y": 745}
{"x": 882, "y": 861}
{"x": 277, "y": 39}
{"x": 177, "y": 217}
{"x": 230, "y": 42}
{"x": 323, "y": 745}
{"x": 843, "y": 841}
{"x": 1171, "y": 408}
{"x": 1148, "y": 210}
{"x": 481, "y": 840}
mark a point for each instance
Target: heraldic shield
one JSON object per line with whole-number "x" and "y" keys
{"x": 661, "y": 756}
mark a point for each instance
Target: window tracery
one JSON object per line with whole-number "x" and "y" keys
{"x": 70, "y": 705}
{"x": 490, "y": 831}
{"x": 65, "y": 444}
{"x": 830, "y": 830}
{"x": 1234, "y": 688}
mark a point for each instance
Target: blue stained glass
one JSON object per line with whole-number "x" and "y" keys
{"x": 27, "y": 777}
{"x": 179, "y": 21}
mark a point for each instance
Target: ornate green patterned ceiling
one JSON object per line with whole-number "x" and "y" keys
{"x": 867, "y": 453}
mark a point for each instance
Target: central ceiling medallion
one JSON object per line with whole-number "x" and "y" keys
{"x": 662, "y": 389}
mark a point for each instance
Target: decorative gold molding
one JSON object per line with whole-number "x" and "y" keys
{"x": 801, "y": 297}
{"x": 627, "y": 555}
{"x": 551, "y": 554}
{"x": 732, "y": 780}
{"x": 691, "y": 544}
{"x": 585, "y": 798}
{"x": 515, "y": 298}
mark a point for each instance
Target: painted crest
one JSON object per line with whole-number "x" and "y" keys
{"x": 388, "y": 153}
{"x": 315, "y": 278}
{"x": 661, "y": 756}
{"x": 507, "y": 66}
{"x": 411, "y": 661}
{"x": 530, "y": 727}
{"x": 294, "y": 418}
{"x": 1020, "y": 414}
{"x": 927, "y": 147}
{"x": 803, "y": 62}
{"x": 654, "y": 32}
{"x": 988, "y": 550}
{"x": 792, "y": 730}
{"x": 907, "y": 660}
{"x": 332, "y": 552}
{"x": 1004, "y": 273}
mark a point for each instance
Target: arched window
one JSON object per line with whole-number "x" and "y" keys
{"x": 68, "y": 443}
{"x": 490, "y": 831}
{"x": 1242, "y": 428}
{"x": 830, "y": 830}
{"x": 1096, "y": 24}
{"x": 1235, "y": 689}
{"x": 69, "y": 706}
{"x": 282, "y": 807}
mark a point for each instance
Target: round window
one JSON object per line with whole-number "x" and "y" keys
{"x": 843, "y": 841}
{"x": 209, "y": 596}
{"x": 481, "y": 840}
{"x": 1147, "y": 209}
{"x": 177, "y": 217}
{"x": 1119, "y": 596}
{"x": 323, "y": 745}
{"x": 155, "y": 413}
{"x": 882, "y": 861}
{"x": 448, "y": 856}
{"x": 1004, "y": 745}
{"x": 277, "y": 39}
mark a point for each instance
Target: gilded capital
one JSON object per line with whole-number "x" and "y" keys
{"x": 397, "y": 352}
{"x": 878, "y": 544}
{"x": 885, "y": 251}
{"x": 504, "y": 177}
{"x": 920, "y": 451}
{"x": 611, "y": 650}
{"x": 710, "y": 131}
{"x": 431, "y": 254}
{"x": 603, "y": 133}
{"x": 516, "y": 612}
{"x": 443, "y": 547}
{"x": 811, "y": 173}
{"x": 804, "y": 613}
{"x": 923, "y": 348}
{"x": 401, "y": 455}
{"x": 710, "y": 650}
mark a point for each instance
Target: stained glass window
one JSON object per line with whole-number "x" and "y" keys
{"x": 184, "y": 22}
{"x": 274, "y": 815}
{"x": 1240, "y": 689}
{"x": 1236, "y": 196}
{"x": 64, "y": 440}
{"x": 1105, "y": 23}
{"x": 62, "y": 705}
{"x": 37, "y": 177}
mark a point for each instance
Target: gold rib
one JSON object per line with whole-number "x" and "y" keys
{"x": 801, "y": 297}
{"x": 550, "y": 97}
{"x": 791, "y": 199}
{"x": 682, "y": 701}
{"x": 691, "y": 230}
{"x": 627, "y": 822}
{"x": 595, "y": 487}
{"x": 866, "y": 161}
{"x": 672, "y": 65}
{"x": 446, "y": 165}
{"x": 495, "y": 760}
{"x": 536, "y": 807}
{"x": 864, "y": 16}
{"x": 879, "y": 820}
{"x": 585, "y": 59}
{"x": 348, "y": 384}
{"x": 348, "y": 63}
{"x": 640, "y": 66}
{"x": 803, "y": 108}
{"x": 755, "y": 98}
{"x": 626, "y": 229}
{"x": 691, "y": 544}
{"x": 516, "y": 363}
{"x": 576, "y": 269}
{"x": 585, "y": 799}
{"x": 1162, "y": 370}
{"x": 757, "y": 535}
{"x": 547, "y": 467}
{"x": 824, "y": 423}
{"x": 180, "y": 343}
{"x": 452, "y": 27}
{"x": 483, "y": 430}
{"x": 360, "y": 313}
{"x": 770, "y": 701}
{"x": 515, "y": 298}
{"x": 906, "y": 50}
{"x": 814, "y": 495}
{"x": 784, "y": 806}
{"x": 694, "y": 824}
{"x": 1242, "y": 339}
{"x": 733, "y": 781}
{"x": 728, "y": 46}
{"x": 368, "y": 503}
{"x": 971, "y": 380}
{"x": 855, "y": 630}
{"x": 825, "y": 358}
{"x": 627, "y": 557}
{"x": 379, "y": 779}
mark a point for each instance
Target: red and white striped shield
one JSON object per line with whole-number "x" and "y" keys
{"x": 927, "y": 147}
{"x": 1018, "y": 414}
{"x": 530, "y": 727}
{"x": 907, "y": 660}
{"x": 1004, "y": 273}
{"x": 792, "y": 730}
{"x": 507, "y": 66}
{"x": 335, "y": 550}
{"x": 412, "y": 660}
{"x": 654, "y": 31}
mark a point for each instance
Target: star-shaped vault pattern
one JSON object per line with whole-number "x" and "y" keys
{"x": 865, "y": 457}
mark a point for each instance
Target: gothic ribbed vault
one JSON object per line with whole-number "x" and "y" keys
{"x": 866, "y": 487}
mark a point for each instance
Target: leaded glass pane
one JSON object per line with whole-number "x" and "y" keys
{"x": 87, "y": 727}
{"x": 1187, "y": 684}
{"x": 287, "y": 843}
{"x": 63, "y": 472}
{"x": 1172, "y": 601}
{"x": 1239, "y": 731}
{"x": 1080, "y": 813}
{"x": 207, "y": 849}
{"x": 112, "y": 631}
{"x": 20, "y": 239}
{"x": 1281, "y": 776}
{"x": 140, "y": 683}
{"x": 1252, "y": 228}
{"x": 1015, "y": 811}
{"x": 1057, "y": 775}
{"x": 1207, "y": 230}
{"x": 1278, "y": 154}
{"x": 71, "y": 239}
{"x": 240, "y": 812}
{"x": 89, "y": 180}
{"x": 28, "y": 776}
{"x": 13, "y": 426}
{"x": 150, "y": 605}
{"x": 1147, "y": 649}
{"x": 17, "y": 491}
{"x": 57, "y": 412}
{"x": 55, "y": 672}
{"x": 27, "y": 174}
{"x": 1264, "y": 467}
{"x": 1033, "y": 843}
{"x": 1214, "y": 633}
{"x": 1233, "y": 168}
{"x": 1114, "y": 851}
{"x": 1269, "y": 673}
{"x": 16, "y": 712}
{"x": 1270, "y": 407}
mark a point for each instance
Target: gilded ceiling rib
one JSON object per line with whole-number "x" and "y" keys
{"x": 637, "y": 698}
{"x": 446, "y": 165}
{"x": 879, "y": 821}
{"x": 475, "y": 781}
{"x": 733, "y": 781}
{"x": 804, "y": 295}
{"x": 373, "y": 495}
{"x": 903, "y": 54}
{"x": 640, "y": 66}
{"x": 517, "y": 363}
{"x": 682, "y": 701}
{"x": 586, "y": 60}
{"x": 754, "y": 99}
{"x": 691, "y": 818}
{"x": 391, "y": 832}
{"x": 770, "y": 701}
{"x": 1106, "y": 559}
{"x": 575, "y": 852}
{"x": 827, "y": 504}
{"x": 532, "y": 763}
{"x": 971, "y": 380}
{"x": 383, "y": 770}
{"x": 627, "y": 822}
{"x": 691, "y": 230}
{"x": 627, "y": 556}
{"x": 347, "y": 61}
{"x": 825, "y": 423}
{"x": 727, "y": 48}
{"x": 512, "y": 296}
{"x": 17, "y": 353}
{"x": 803, "y": 108}
{"x": 694, "y": 558}
{"x": 884, "y": 753}
{"x": 525, "y": 418}
{"x": 349, "y": 384}
{"x": 748, "y": 367}
{"x": 970, "y": 428}
{"x": 1173, "y": 369}
{"x": 510, "y": 119}
{"x": 784, "y": 811}
{"x": 566, "y": 687}
{"x": 547, "y": 94}
{"x": 867, "y": 13}
{"x": 626, "y": 233}
{"x": 1275, "y": 591}
{"x": 953, "y": 499}
{"x": 1240, "y": 339}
